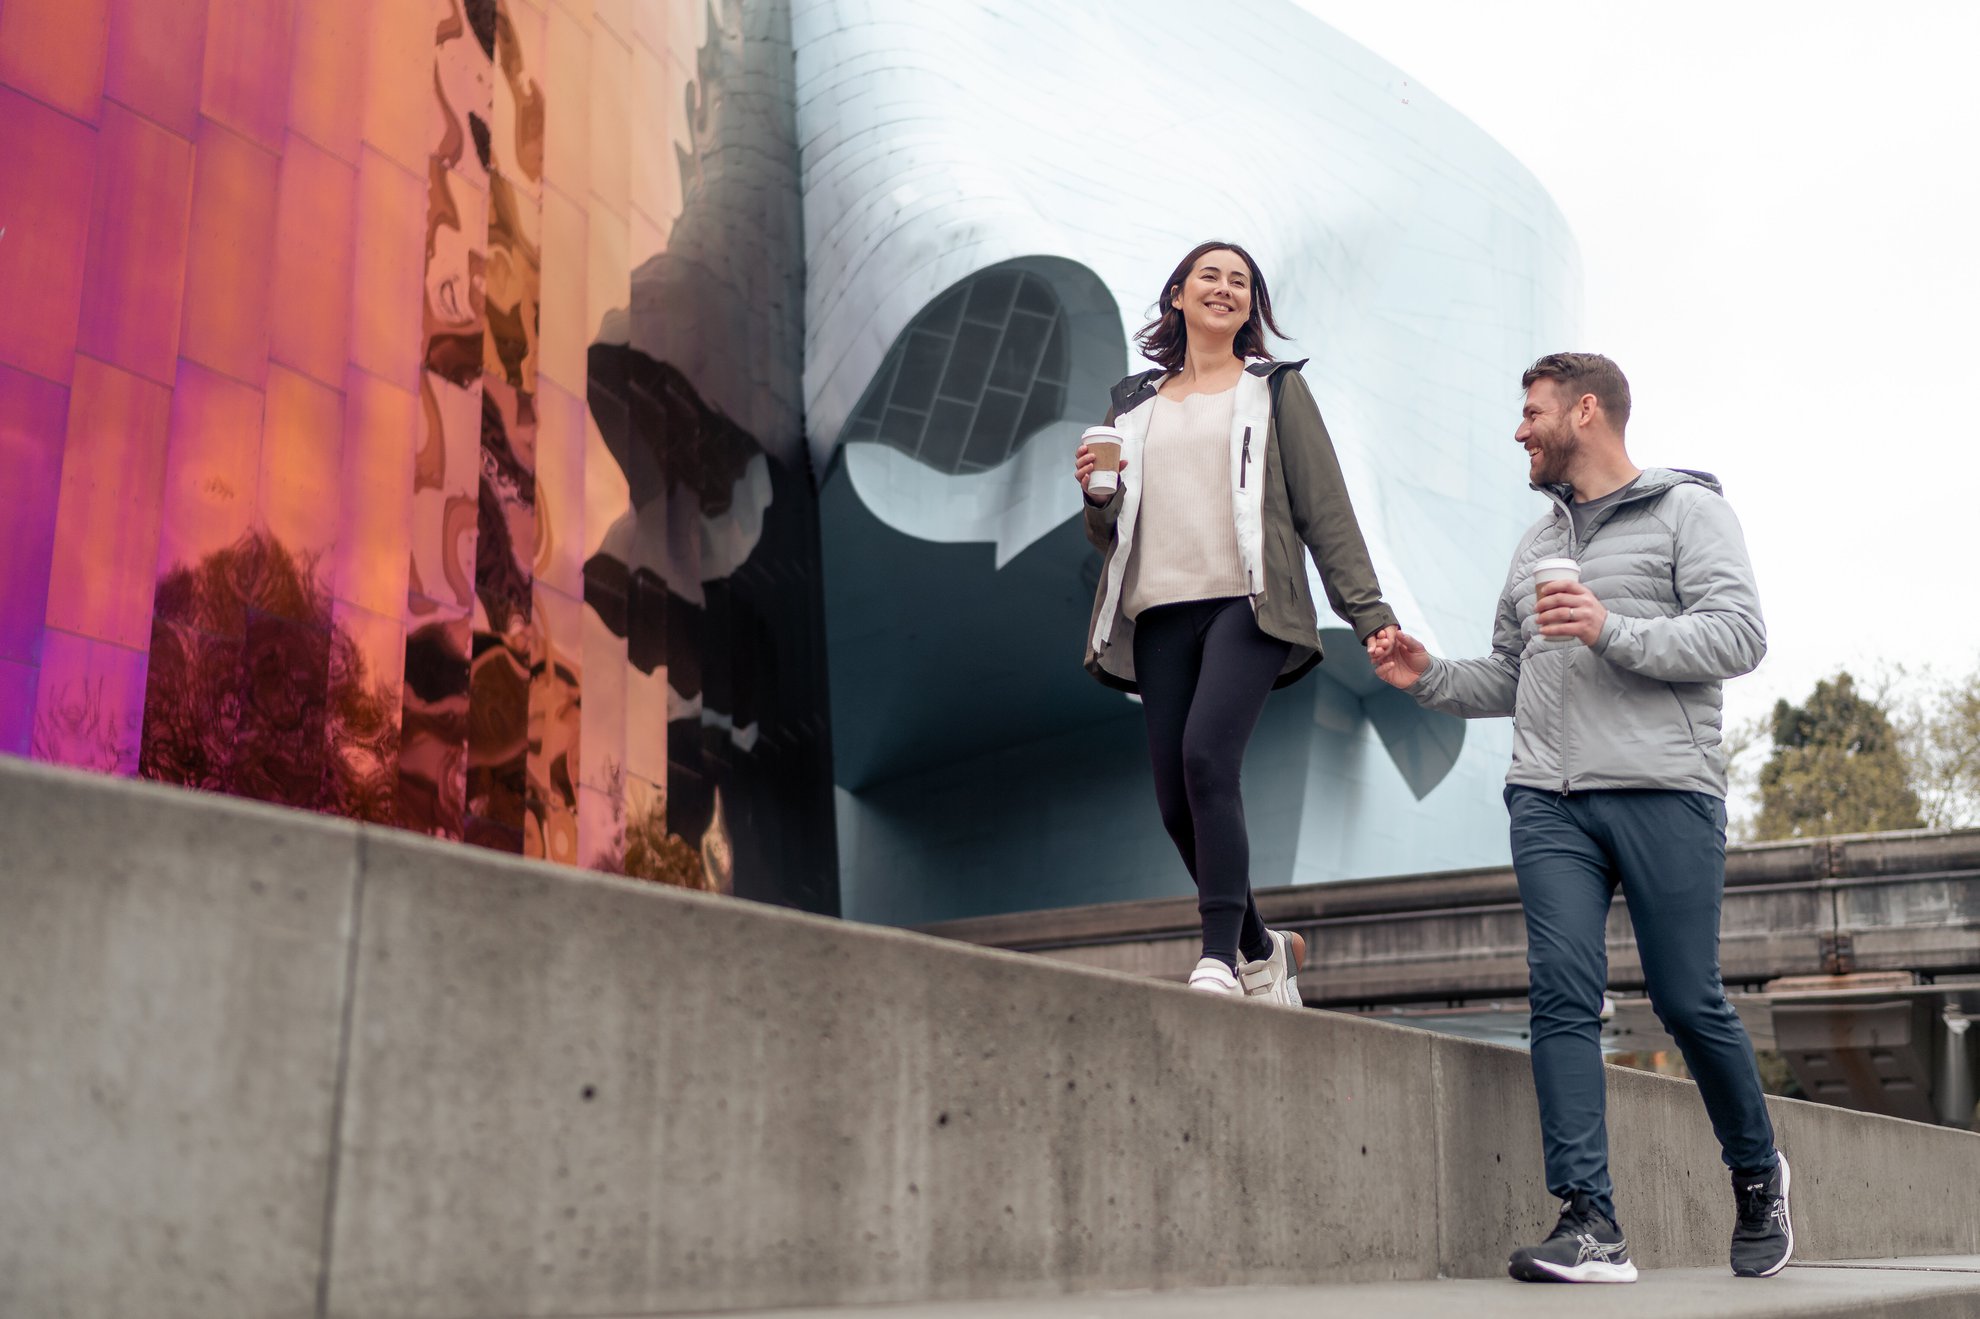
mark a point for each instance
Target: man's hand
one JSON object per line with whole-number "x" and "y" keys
{"x": 1398, "y": 657}
{"x": 1569, "y": 609}
{"x": 1083, "y": 465}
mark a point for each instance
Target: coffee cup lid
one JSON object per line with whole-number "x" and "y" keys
{"x": 1544, "y": 564}
{"x": 1099, "y": 433}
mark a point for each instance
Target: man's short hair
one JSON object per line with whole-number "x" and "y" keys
{"x": 1585, "y": 373}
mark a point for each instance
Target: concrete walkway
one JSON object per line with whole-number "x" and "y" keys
{"x": 1946, "y": 1287}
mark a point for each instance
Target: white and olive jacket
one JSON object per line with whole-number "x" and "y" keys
{"x": 1287, "y": 497}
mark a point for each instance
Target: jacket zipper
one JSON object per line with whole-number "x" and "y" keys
{"x": 1574, "y": 552}
{"x": 1244, "y": 463}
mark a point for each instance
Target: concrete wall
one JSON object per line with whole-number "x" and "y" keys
{"x": 262, "y": 1063}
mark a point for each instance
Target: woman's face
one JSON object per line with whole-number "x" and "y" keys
{"x": 1215, "y": 299}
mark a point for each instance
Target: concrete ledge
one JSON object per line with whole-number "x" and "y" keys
{"x": 449, "y": 1083}
{"x": 1947, "y": 1288}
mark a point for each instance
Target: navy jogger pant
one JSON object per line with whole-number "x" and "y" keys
{"x": 1667, "y": 852}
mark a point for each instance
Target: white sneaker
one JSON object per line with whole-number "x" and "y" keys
{"x": 1274, "y": 977}
{"x": 1213, "y": 977}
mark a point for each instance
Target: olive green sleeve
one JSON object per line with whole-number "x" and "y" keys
{"x": 1322, "y": 514}
{"x": 1100, "y": 518}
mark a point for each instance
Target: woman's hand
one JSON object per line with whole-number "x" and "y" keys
{"x": 1083, "y": 464}
{"x": 1398, "y": 657}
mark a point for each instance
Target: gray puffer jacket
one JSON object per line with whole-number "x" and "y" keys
{"x": 1639, "y": 708}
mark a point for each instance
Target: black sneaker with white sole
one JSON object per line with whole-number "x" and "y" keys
{"x": 1585, "y": 1246}
{"x": 1763, "y": 1239}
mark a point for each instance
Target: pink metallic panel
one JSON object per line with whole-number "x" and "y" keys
{"x": 131, "y": 303}
{"x": 113, "y": 481}
{"x": 302, "y": 452}
{"x": 53, "y": 51}
{"x": 212, "y": 469}
{"x": 89, "y": 709}
{"x": 310, "y": 320}
{"x": 33, "y": 419}
{"x": 47, "y": 171}
{"x": 244, "y": 81}
{"x": 156, "y": 51}
{"x": 326, "y": 76}
{"x": 374, "y": 545}
{"x": 17, "y": 688}
{"x": 225, "y": 325}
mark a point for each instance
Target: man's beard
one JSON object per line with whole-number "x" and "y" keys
{"x": 1556, "y": 453}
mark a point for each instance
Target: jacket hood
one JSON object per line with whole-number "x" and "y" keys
{"x": 1651, "y": 481}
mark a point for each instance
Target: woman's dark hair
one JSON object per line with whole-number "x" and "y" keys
{"x": 1165, "y": 341}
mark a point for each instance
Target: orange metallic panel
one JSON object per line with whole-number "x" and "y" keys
{"x": 381, "y": 423}
{"x": 603, "y": 736}
{"x": 155, "y": 58}
{"x": 398, "y": 80}
{"x": 302, "y": 450}
{"x": 567, "y": 110}
{"x": 47, "y": 169}
{"x": 53, "y": 50}
{"x": 361, "y": 732}
{"x": 559, "y": 556}
{"x": 245, "y": 78}
{"x": 231, "y": 256}
{"x": 326, "y": 75}
{"x": 138, "y": 237}
{"x": 388, "y": 266}
{"x": 315, "y": 214}
{"x": 212, "y": 467}
{"x": 610, "y": 93}
{"x": 563, "y": 328}
{"x": 113, "y": 480}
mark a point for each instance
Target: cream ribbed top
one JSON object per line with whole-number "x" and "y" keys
{"x": 1185, "y": 542}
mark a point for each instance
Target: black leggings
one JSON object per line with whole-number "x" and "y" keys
{"x": 1205, "y": 670}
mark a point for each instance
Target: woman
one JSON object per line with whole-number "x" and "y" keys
{"x": 1203, "y": 606}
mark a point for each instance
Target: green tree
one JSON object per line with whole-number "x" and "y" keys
{"x": 1940, "y": 728}
{"x": 1838, "y": 767}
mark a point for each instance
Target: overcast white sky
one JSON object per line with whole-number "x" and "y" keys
{"x": 1778, "y": 206}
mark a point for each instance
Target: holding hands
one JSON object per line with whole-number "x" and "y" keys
{"x": 1569, "y": 609}
{"x": 1398, "y": 657}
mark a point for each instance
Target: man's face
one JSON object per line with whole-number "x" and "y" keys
{"x": 1547, "y": 432}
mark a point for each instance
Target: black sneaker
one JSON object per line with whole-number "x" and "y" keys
{"x": 1583, "y": 1247}
{"x": 1763, "y": 1239}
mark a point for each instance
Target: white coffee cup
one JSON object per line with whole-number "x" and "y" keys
{"x": 1555, "y": 570}
{"x": 1105, "y": 441}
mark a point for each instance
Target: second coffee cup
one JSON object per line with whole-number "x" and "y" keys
{"x": 1105, "y": 442}
{"x": 1555, "y": 570}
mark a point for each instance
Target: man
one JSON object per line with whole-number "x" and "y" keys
{"x": 1618, "y": 777}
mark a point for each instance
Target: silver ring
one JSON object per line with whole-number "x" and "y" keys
{"x": 1570, "y": 615}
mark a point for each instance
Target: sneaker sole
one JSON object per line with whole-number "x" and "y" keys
{"x": 1594, "y": 1270}
{"x": 1787, "y": 1180}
